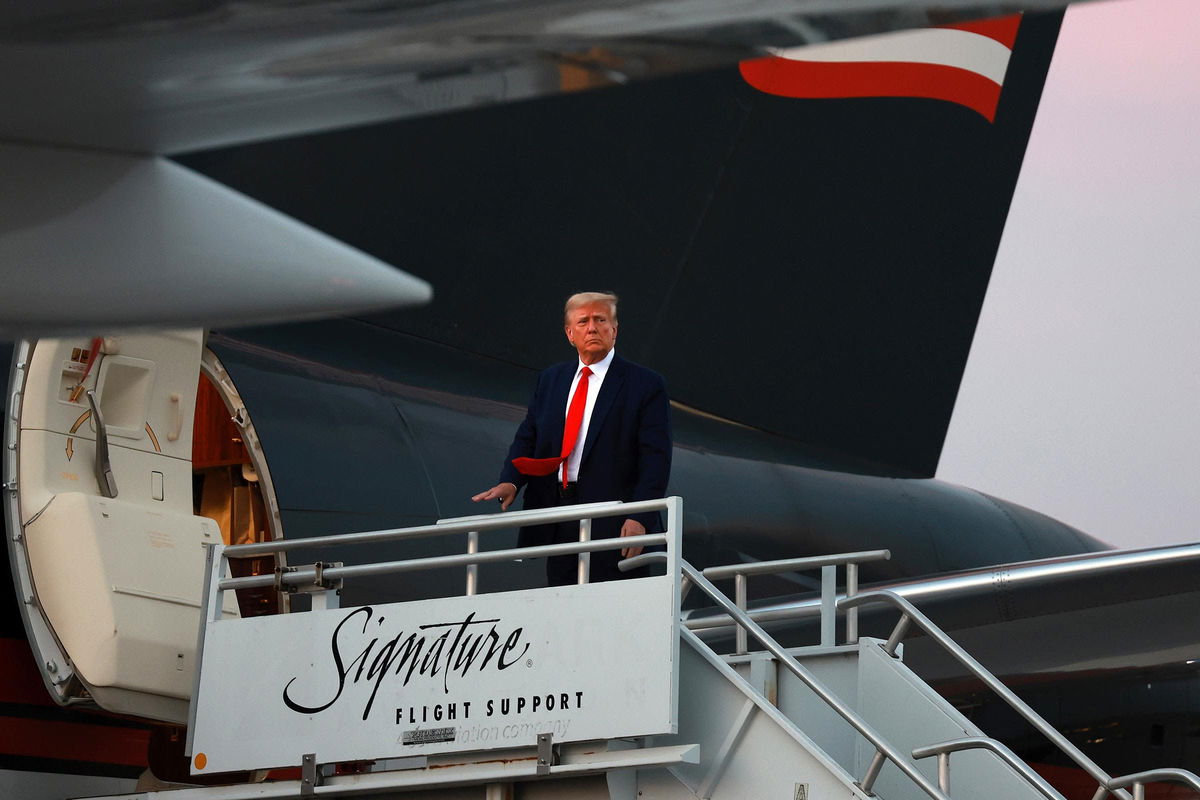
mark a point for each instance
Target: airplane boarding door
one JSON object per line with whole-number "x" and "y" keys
{"x": 110, "y": 552}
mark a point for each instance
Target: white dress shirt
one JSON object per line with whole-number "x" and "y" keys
{"x": 599, "y": 370}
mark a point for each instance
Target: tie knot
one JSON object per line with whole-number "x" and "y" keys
{"x": 585, "y": 371}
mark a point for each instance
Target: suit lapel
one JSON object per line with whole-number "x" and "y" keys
{"x": 558, "y": 403}
{"x": 609, "y": 390}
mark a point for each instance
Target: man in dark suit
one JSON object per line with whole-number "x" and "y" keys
{"x": 598, "y": 428}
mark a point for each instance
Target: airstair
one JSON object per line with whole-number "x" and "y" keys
{"x": 596, "y": 690}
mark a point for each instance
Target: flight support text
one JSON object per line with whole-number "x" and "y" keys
{"x": 492, "y": 707}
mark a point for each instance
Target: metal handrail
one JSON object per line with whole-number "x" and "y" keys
{"x": 304, "y": 576}
{"x": 1138, "y": 781}
{"x": 951, "y": 586}
{"x": 584, "y": 513}
{"x": 883, "y": 749}
{"x": 828, "y": 566}
{"x": 483, "y": 522}
{"x": 910, "y": 614}
{"x": 943, "y": 751}
{"x": 584, "y": 569}
{"x": 794, "y": 564}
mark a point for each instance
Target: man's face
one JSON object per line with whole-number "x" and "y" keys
{"x": 592, "y": 330}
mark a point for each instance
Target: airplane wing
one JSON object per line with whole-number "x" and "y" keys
{"x": 131, "y": 80}
{"x": 170, "y": 77}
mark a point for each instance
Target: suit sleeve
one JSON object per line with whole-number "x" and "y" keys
{"x": 524, "y": 440}
{"x": 653, "y": 450}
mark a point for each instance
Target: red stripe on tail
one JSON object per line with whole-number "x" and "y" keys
{"x": 817, "y": 79}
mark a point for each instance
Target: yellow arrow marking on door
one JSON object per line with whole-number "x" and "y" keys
{"x": 78, "y": 423}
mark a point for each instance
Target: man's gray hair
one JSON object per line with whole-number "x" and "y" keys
{"x": 584, "y": 298}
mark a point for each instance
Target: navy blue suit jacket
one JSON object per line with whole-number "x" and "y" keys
{"x": 626, "y": 455}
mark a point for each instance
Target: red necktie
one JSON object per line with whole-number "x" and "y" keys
{"x": 544, "y": 466}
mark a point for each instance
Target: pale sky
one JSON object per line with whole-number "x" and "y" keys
{"x": 1081, "y": 398}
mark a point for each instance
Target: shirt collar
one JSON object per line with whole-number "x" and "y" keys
{"x": 600, "y": 367}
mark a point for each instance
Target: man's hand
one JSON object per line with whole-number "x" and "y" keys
{"x": 504, "y": 492}
{"x": 632, "y": 528}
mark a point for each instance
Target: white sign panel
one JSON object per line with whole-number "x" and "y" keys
{"x": 454, "y": 674}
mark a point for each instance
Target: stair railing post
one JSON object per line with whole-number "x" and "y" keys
{"x": 472, "y": 569}
{"x": 1101, "y": 793}
{"x": 852, "y": 614}
{"x": 739, "y": 598}
{"x": 943, "y": 764}
{"x": 829, "y": 606}
{"x": 585, "y": 559}
{"x": 867, "y": 784}
{"x": 897, "y": 636}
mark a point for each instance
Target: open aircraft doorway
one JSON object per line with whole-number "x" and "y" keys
{"x": 126, "y": 457}
{"x": 231, "y": 483}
